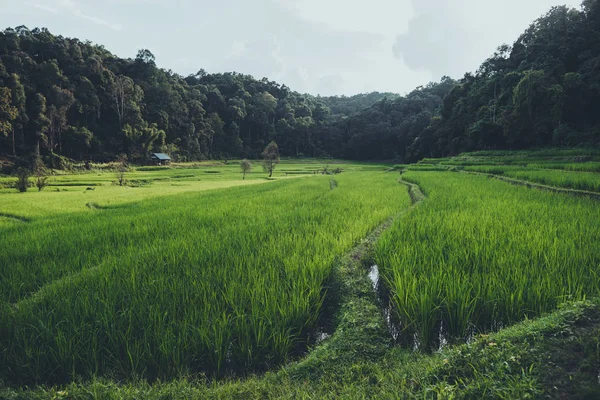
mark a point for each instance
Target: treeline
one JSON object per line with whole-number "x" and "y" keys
{"x": 542, "y": 91}
{"x": 61, "y": 97}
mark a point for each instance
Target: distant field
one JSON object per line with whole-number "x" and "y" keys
{"x": 69, "y": 191}
{"x": 569, "y": 169}
{"x": 554, "y": 177}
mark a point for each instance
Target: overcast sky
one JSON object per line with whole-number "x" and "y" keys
{"x": 322, "y": 47}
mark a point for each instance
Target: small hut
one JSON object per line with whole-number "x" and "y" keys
{"x": 160, "y": 159}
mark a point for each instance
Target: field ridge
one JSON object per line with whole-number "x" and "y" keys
{"x": 533, "y": 185}
{"x": 361, "y": 331}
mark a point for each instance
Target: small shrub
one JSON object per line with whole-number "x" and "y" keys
{"x": 122, "y": 167}
{"x": 23, "y": 180}
{"x": 245, "y": 167}
{"x": 41, "y": 182}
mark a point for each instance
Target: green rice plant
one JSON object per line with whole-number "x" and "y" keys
{"x": 426, "y": 167}
{"x": 532, "y": 158}
{"x": 228, "y": 280}
{"x": 589, "y": 181}
{"x": 480, "y": 253}
{"x": 582, "y": 166}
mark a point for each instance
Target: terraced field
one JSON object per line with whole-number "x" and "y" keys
{"x": 189, "y": 281}
{"x": 479, "y": 254}
{"x": 203, "y": 281}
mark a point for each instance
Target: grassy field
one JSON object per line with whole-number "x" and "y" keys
{"x": 480, "y": 254}
{"x": 211, "y": 281}
{"x": 97, "y": 187}
{"x": 189, "y": 281}
{"x": 570, "y": 179}
{"x": 577, "y": 169}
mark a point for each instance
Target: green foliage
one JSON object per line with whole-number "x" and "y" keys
{"x": 7, "y": 112}
{"x": 480, "y": 253}
{"x": 552, "y": 357}
{"x": 87, "y": 312}
{"x": 158, "y": 292}
{"x": 96, "y": 106}
{"x": 566, "y": 179}
{"x": 270, "y": 157}
{"x": 22, "y": 183}
{"x": 245, "y": 167}
{"x": 541, "y": 91}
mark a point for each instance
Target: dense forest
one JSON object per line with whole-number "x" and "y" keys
{"x": 66, "y": 99}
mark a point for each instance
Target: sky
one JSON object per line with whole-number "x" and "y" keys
{"x": 326, "y": 47}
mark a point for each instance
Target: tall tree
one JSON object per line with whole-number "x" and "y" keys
{"x": 19, "y": 101}
{"x": 8, "y": 113}
{"x": 270, "y": 158}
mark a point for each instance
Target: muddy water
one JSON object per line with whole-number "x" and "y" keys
{"x": 384, "y": 301}
{"x": 320, "y": 336}
{"x": 394, "y": 328}
{"x": 374, "y": 276}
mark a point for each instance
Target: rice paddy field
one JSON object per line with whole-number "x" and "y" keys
{"x": 201, "y": 281}
{"x": 578, "y": 180}
{"x": 190, "y": 282}
{"x": 479, "y": 254}
{"x": 577, "y": 169}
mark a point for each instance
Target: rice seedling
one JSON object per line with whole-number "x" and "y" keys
{"x": 219, "y": 281}
{"x": 562, "y": 178}
{"x": 480, "y": 254}
{"x": 582, "y": 166}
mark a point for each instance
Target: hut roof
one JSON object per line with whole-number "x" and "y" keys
{"x": 160, "y": 156}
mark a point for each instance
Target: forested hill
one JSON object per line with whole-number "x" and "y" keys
{"x": 61, "y": 96}
{"x": 78, "y": 100}
{"x": 544, "y": 90}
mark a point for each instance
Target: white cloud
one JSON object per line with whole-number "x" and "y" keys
{"x": 71, "y": 7}
{"x": 386, "y": 17}
{"x": 49, "y": 9}
{"x": 451, "y": 38}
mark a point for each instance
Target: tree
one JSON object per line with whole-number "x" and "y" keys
{"x": 18, "y": 101}
{"x": 122, "y": 167}
{"x": 121, "y": 90}
{"x": 39, "y": 121}
{"x": 270, "y": 158}
{"x": 543, "y": 89}
{"x": 8, "y": 113}
{"x": 79, "y": 140}
{"x": 245, "y": 167}
{"x": 61, "y": 102}
{"x": 41, "y": 180}
{"x": 23, "y": 179}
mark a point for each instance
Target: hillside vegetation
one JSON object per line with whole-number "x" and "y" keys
{"x": 64, "y": 97}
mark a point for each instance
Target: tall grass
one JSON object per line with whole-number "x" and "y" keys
{"x": 582, "y": 167}
{"x": 217, "y": 281}
{"x": 584, "y": 158}
{"x": 479, "y": 253}
{"x": 566, "y": 179}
